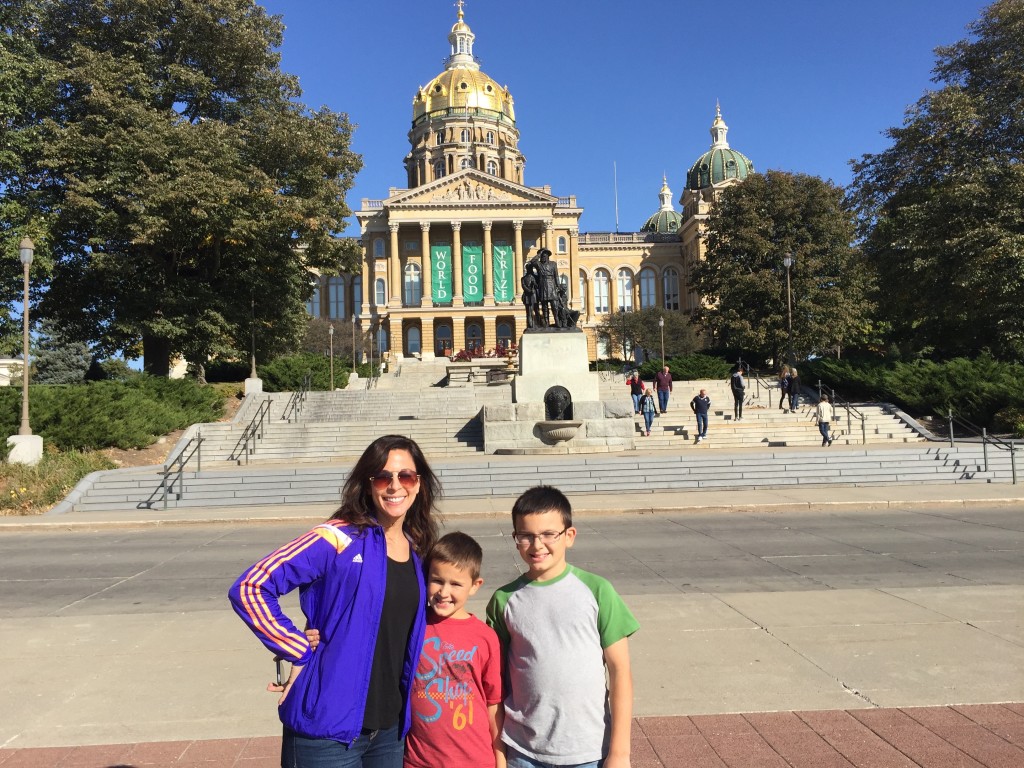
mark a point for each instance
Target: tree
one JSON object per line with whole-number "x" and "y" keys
{"x": 186, "y": 192}
{"x": 642, "y": 331}
{"x": 941, "y": 211}
{"x": 752, "y": 227}
{"x": 58, "y": 360}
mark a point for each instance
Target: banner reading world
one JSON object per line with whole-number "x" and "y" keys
{"x": 473, "y": 272}
{"x": 441, "y": 274}
{"x": 504, "y": 278}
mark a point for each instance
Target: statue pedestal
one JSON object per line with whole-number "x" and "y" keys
{"x": 25, "y": 449}
{"x": 253, "y": 386}
{"x": 549, "y": 358}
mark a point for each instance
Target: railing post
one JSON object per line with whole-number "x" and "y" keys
{"x": 1013, "y": 463}
{"x": 984, "y": 447}
{"x": 819, "y": 390}
{"x": 166, "y": 475}
{"x": 199, "y": 451}
{"x": 952, "y": 442}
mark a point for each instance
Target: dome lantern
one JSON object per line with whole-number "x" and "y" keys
{"x": 721, "y": 163}
{"x": 666, "y": 221}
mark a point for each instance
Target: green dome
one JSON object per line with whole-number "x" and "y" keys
{"x": 665, "y": 220}
{"x": 720, "y": 163}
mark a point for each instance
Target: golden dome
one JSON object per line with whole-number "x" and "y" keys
{"x": 463, "y": 88}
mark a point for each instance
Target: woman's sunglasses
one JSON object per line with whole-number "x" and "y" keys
{"x": 382, "y": 480}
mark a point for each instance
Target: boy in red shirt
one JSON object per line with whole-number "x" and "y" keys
{"x": 456, "y": 698}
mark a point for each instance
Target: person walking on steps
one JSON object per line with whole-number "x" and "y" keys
{"x": 739, "y": 391}
{"x": 825, "y": 413}
{"x": 794, "y": 390}
{"x": 701, "y": 404}
{"x": 663, "y": 384}
{"x": 636, "y": 390}
{"x": 647, "y": 409}
{"x": 785, "y": 380}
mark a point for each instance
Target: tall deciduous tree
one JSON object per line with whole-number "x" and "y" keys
{"x": 641, "y": 330}
{"x": 752, "y": 228}
{"x": 185, "y": 190}
{"x": 942, "y": 209}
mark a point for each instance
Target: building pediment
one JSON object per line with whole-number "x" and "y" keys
{"x": 469, "y": 187}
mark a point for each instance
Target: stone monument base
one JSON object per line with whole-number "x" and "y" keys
{"x": 549, "y": 358}
{"x": 522, "y": 428}
{"x": 25, "y": 449}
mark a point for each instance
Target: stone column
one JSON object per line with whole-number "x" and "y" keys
{"x": 427, "y": 338}
{"x": 549, "y": 236}
{"x": 458, "y": 333}
{"x": 394, "y": 270}
{"x": 574, "y": 270}
{"x": 395, "y": 340}
{"x": 425, "y": 275}
{"x": 367, "y": 263}
{"x": 488, "y": 266}
{"x": 518, "y": 260}
{"x": 490, "y": 332}
{"x": 457, "y": 300}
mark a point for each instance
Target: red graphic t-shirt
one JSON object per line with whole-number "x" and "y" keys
{"x": 459, "y": 675}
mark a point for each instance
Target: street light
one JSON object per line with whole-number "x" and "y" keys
{"x": 622, "y": 311}
{"x": 252, "y": 334}
{"x": 26, "y": 250}
{"x": 788, "y": 261}
{"x": 353, "y": 345}
{"x": 661, "y": 327}
{"x": 330, "y": 333}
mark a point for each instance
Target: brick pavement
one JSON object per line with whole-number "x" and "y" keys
{"x": 967, "y": 736}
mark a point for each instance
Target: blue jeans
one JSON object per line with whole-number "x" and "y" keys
{"x": 702, "y": 425}
{"x": 794, "y": 401}
{"x": 823, "y": 428}
{"x": 662, "y": 400}
{"x": 517, "y": 759}
{"x": 648, "y": 419}
{"x": 636, "y": 403}
{"x": 373, "y": 749}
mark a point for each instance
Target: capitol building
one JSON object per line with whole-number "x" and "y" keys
{"x": 442, "y": 257}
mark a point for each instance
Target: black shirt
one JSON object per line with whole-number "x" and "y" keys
{"x": 385, "y": 699}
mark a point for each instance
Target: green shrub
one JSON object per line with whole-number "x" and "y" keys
{"x": 285, "y": 374}
{"x": 102, "y": 414}
{"x": 29, "y": 490}
{"x": 1010, "y": 420}
{"x": 688, "y": 368}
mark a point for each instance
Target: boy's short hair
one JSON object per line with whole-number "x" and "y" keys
{"x": 458, "y": 549}
{"x": 541, "y": 499}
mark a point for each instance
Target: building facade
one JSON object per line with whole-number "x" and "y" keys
{"x": 442, "y": 258}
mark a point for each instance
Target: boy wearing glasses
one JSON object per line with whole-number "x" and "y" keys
{"x": 560, "y": 629}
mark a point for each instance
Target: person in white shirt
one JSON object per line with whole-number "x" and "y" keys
{"x": 825, "y": 415}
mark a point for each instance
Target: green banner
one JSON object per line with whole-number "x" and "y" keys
{"x": 473, "y": 272}
{"x": 504, "y": 277}
{"x": 441, "y": 274}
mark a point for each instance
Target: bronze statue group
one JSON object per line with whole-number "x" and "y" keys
{"x": 544, "y": 297}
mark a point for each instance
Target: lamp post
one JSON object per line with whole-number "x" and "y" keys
{"x": 661, "y": 327}
{"x": 788, "y": 261}
{"x": 252, "y": 335}
{"x": 353, "y": 344}
{"x": 26, "y": 250}
{"x": 330, "y": 334}
{"x": 622, "y": 311}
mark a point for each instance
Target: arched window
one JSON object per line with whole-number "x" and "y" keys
{"x": 474, "y": 337}
{"x": 380, "y": 292}
{"x": 439, "y": 138}
{"x": 504, "y": 335}
{"x": 378, "y": 248}
{"x": 624, "y": 291}
{"x": 582, "y": 294}
{"x": 313, "y": 305}
{"x": 383, "y": 344}
{"x": 648, "y": 298}
{"x": 490, "y": 137}
{"x": 562, "y": 246}
{"x": 443, "y": 340}
{"x": 601, "y": 280}
{"x": 492, "y": 168}
{"x": 467, "y": 162}
{"x": 464, "y": 136}
{"x": 413, "y": 288}
{"x": 357, "y": 295}
{"x": 439, "y": 169}
{"x": 412, "y": 340}
{"x": 670, "y": 282}
{"x": 336, "y": 298}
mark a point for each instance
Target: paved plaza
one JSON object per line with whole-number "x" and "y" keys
{"x": 857, "y": 627}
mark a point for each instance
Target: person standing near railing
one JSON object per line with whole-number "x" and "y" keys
{"x": 739, "y": 391}
{"x": 785, "y": 380}
{"x": 825, "y": 414}
{"x": 794, "y": 389}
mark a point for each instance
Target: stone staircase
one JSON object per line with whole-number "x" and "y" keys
{"x": 612, "y": 475}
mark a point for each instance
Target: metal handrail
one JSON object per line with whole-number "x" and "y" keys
{"x": 246, "y": 445}
{"x": 851, "y": 411}
{"x": 175, "y": 478}
{"x": 998, "y": 442}
{"x": 295, "y": 402}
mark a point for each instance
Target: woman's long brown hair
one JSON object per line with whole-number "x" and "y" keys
{"x": 357, "y": 506}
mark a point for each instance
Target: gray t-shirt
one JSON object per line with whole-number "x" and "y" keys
{"x": 553, "y": 635}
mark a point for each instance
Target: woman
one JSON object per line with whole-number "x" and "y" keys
{"x": 636, "y": 390}
{"x": 361, "y": 585}
{"x": 647, "y": 409}
{"x": 794, "y": 389}
{"x": 784, "y": 381}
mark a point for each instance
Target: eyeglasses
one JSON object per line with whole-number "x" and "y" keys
{"x": 546, "y": 537}
{"x": 383, "y": 479}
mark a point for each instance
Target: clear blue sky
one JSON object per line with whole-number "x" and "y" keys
{"x": 805, "y": 85}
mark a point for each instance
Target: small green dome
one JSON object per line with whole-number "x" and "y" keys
{"x": 665, "y": 220}
{"x": 719, "y": 163}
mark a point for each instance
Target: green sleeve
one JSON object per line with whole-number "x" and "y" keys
{"x": 496, "y": 616}
{"x": 614, "y": 619}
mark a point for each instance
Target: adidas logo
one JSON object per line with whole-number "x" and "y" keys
{"x": 357, "y": 559}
